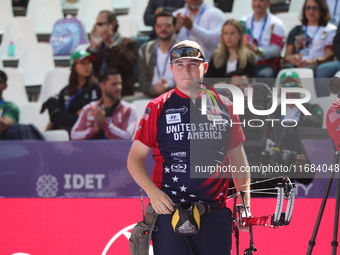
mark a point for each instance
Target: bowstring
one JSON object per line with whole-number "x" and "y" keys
{"x": 261, "y": 181}
{"x": 258, "y": 191}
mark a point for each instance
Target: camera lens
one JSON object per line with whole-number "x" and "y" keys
{"x": 334, "y": 85}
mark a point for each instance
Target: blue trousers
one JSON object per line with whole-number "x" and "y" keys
{"x": 324, "y": 71}
{"x": 214, "y": 236}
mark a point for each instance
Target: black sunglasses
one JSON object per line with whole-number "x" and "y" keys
{"x": 186, "y": 52}
{"x": 100, "y": 24}
{"x": 314, "y": 8}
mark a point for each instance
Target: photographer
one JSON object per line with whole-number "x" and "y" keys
{"x": 283, "y": 145}
{"x": 290, "y": 79}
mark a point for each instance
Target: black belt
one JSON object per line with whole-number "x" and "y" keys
{"x": 208, "y": 209}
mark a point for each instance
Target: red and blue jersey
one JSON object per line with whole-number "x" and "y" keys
{"x": 186, "y": 143}
{"x": 333, "y": 123}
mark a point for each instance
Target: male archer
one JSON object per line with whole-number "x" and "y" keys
{"x": 183, "y": 139}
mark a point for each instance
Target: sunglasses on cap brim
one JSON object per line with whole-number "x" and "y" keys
{"x": 290, "y": 85}
{"x": 186, "y": 52}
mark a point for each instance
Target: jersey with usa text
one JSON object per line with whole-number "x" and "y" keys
{"x": 190, "y": 147}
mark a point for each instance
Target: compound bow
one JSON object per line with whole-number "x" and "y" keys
{"x": 285, "y": 191}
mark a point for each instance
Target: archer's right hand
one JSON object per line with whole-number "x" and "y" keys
{"x": 161, "y": 202}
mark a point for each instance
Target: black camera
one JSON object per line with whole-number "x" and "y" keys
{"x": 256, "y": 136}
{"x": 334, "y": 85}
{"x": 287, "y": 157}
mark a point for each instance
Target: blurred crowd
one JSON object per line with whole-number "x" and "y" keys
{"x": 96, "y": 102}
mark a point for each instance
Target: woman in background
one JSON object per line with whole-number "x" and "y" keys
{"x": 81, "y": 90}
{"x": 310, "y": 44}
{"x": 232, "y": 53}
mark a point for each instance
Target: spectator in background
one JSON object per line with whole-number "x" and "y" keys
{"x": 266, "y": 38}
{"x": 334, "y": 9}
{"x": 328, "y": 69}
{"x": 310, "y": 44}
{"x": 9, "y": 112}
{"x": 109, "y": 117}
{"x": 81, "y": 90}
{"x": 155, "y": 78}
{"x": 157, "y": 6}
{"x": 290, "y": 79}
{"x": 237, "y": 78}
{"x": 199, "y": 22}
{"x": 111, "y": 50}
{"x": 231, "y": 54}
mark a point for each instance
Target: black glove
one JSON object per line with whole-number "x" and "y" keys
{"x": 52, "y": 105}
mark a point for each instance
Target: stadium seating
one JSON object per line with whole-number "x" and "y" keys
{"x": 19, "y": 30}
{"x": 6, "y": 14}
{"x": 290, "y": 20}
{"x": 56, "y": 135}
{"x": 15, "y": 91}
{"x": 54, "y": 81}
{"x": 209, "y": 2}
{"x": 35, "y": 61}
{"x": 89, "y": 9}
{"x": 128, "y": 26}
{"x": 242, "y": 7}
{"x": 44, "y": 14}
{"x": 296, "y": 6}
{"x": 30, "y": 114}
{"x": 122, "y": 4}
{"x": 137, "y": 12}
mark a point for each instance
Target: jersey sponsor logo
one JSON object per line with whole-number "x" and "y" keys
{"x": 173, "y": 118}
{"x": 183, "y": 110}
{"x": 178, "y": 154}
{"x": 179, "y": 168}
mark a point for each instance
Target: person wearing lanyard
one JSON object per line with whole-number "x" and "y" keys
{"x": 157, "y": 6}
{"x": 169, "y": 126}
{"x": 310, "y": 44}
{"x": 232, "y": 54}
{"x": 109, "y": 117}
{"x": 9, "y": 112}
{"x": 81, "y": 90}
{"x": 199, "y": 22}
{"x": 111, "y": 50}
{"x": 153, "y": 59}
{"x": 266, "y": 39}
{"x": 333, "y": 6}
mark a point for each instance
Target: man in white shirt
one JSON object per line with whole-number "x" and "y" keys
{"x": 266, "y": 38}
{"x": 155, "y": 78}
{"x": 200, "y": 22}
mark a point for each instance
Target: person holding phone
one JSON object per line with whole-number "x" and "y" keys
{"x": 111, "y": 50}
